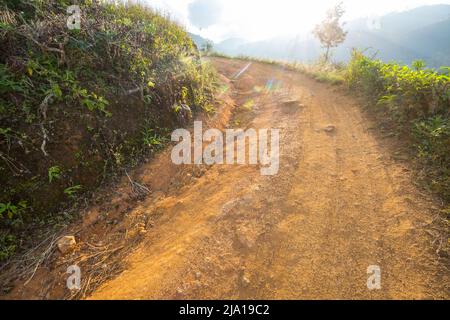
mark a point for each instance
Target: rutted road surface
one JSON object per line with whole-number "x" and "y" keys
{"x": 338, "y": 205}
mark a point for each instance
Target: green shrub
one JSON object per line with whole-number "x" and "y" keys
{"x": 364, "y": 74}
{"x": 8, "y": 245}
{"x": 54, "y": 173}
{"x": 418, "y": 91}
{"x": 417, "y": 99}
{"x": 432, "y": 137}
{"x": 321, "y": 71}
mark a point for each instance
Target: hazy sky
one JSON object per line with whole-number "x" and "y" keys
{"x": 262, "y": 19}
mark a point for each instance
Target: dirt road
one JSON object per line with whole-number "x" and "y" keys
{"x": 338, "y": 205}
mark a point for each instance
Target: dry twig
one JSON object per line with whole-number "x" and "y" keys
{"x": 137, "y": 188}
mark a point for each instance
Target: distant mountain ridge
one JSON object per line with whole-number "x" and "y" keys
{"x": 420, "y": 33}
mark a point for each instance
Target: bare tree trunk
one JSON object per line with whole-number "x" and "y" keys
{"x": 327, "y": 54}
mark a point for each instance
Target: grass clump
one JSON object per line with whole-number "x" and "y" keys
{"x": 325, "y": 72}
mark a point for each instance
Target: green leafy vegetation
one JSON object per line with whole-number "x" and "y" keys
{"x": 72, "y": 191}
{"x": 153, "y": 139}
{"x": 417, "y": 100}
{"x": 54, "y": 173}
{"x": 80, "y": 98}
{"x": 11, "y": 211}
{"x": 8, "y": 245}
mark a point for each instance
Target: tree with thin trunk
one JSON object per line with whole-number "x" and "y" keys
{"x": 330, "y": 31}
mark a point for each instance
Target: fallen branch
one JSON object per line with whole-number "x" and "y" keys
{"x": 43, "y": 108}
{"x": 136, "y": 187}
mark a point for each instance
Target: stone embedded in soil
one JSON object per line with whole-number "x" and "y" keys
{"x": 292, "y": 103}
{"x": 246, "y": 280}
{"x": 329, "y": 129}
{"x": 66, "y": 244}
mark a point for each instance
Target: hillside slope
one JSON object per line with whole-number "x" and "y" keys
{"x": 431, "y": 42}
{"x": 407, "y": 22}
{"x": 78, "y": 106}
